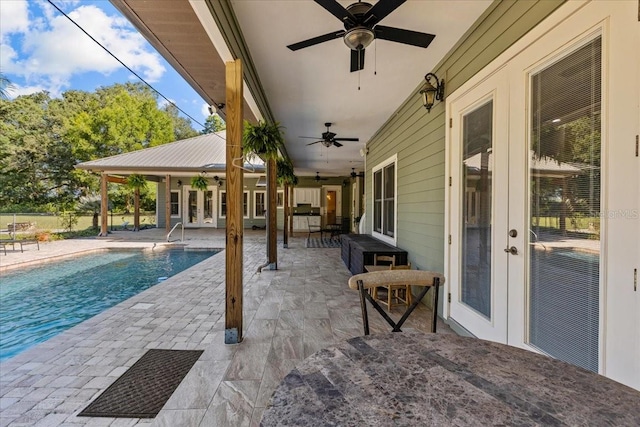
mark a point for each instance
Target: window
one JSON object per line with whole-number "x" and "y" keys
{"x": 259, "y": 204}
{"x": 223, "y": 204}
{"x": 384, "y": 200}
{"x": 280, "y": 199}
{"x": 175, "y": 204}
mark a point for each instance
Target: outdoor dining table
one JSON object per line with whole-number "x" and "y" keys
{"x": 412, "y": 378}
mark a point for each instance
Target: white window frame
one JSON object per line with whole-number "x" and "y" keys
{"x": 380, "y": 167}
{"x": 255, "y": 203}
{"x": 179, "y": 193}
{"x": 246, "y": 197}
{"x": 220, "y": 193}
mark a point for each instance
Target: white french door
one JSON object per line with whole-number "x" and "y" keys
{"x": 543, "y": 202}
{"x": 200, "y": 207}
{"x": 479, "y": 172}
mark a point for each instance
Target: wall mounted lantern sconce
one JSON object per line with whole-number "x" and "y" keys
{"x": 179, "y": 183}
{"x": 430, "y": 93}
{"x": 218, "y": 180}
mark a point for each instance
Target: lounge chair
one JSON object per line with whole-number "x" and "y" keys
{"x": 23, "y": 242}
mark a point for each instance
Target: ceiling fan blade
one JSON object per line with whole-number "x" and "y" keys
{"x": 309, "y": 137}
{"x": 399, "y": 35}
{"x": 336, "y": 143}
{"x": 381, "y": 9}
{"x": 357, "y": 60}
{"x": 311, "y": 143}
{"x": 316, "y": 40}
{"x": 346, "y": 139}
{"x": 336, "y": 9}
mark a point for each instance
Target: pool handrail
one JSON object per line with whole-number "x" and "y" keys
{"x": 174, "y": 227}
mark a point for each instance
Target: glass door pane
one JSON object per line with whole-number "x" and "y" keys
{"x": 192, "y": 207}
{"x": 564, "y": 206}
{"x": 208, "y": 207}
{"x": 477, "y": 141}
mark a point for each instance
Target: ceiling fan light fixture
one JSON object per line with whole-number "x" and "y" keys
{"x": 359, "y": 37}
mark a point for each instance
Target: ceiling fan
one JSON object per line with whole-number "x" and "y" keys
{"x": 355, "y": 174}
{"x": 361, "y": 28}
{"x": 318, "y": 178}
{"x": 329, "y": 138}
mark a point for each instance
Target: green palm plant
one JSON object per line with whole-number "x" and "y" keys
{"x": 262, "y": 139}
{"x": 5, "y": 87}
{"x": 137, "y": 182}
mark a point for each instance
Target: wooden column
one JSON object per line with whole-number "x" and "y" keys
{"x": 272, "y": 216}
{"x": 235, "y": 224}
{"x": 167, "y": 203}
{"x": 136, "y": 209}
{"x": 291, "y": 210}
{"x": 285, "y": 222}
{"x": 104, "y": 205}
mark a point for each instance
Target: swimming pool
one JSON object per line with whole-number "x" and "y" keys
{"x": 43, "y": 301}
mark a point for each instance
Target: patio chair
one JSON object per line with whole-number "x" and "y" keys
{"x": 398, "y": 294}
{"x": 314, "y": 229}
{"x": 389, "y": 260}
{"x": 421, "y": 278}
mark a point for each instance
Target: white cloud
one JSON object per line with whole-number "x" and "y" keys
{"x": 205, "y": 110}
{"x": 14, "y": 17}
{"x": 16, "y": 90}
{"x": 54, "y": 50}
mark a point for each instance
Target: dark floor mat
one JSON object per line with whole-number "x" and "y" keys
{"x": 325, "y": 242}
{"x": 144, "y": 389}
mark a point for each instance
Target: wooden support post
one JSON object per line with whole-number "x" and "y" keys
{"x": 291, "y": 210}
{"x": 285, "y": 222}
{"x": 235, "y": 224}
{"x": 272, "y": 218}
{"x": 167, "y": 204}
{"x": 136, "y": 209}
{"x": 104, "y": 205}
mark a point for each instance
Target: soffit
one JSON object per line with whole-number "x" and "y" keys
{"x": 309, "y": 87}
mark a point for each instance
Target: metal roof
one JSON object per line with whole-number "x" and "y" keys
{"x": 201, "y": 153}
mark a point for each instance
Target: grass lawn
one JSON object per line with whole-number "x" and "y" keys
{"x": 55, "y": 223}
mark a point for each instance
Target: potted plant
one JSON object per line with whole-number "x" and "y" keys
{"x": 199, "y": 183}
{"x": 262, "y": 139}
{"x": 284, "y": 171}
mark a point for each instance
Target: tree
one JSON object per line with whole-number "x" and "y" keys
{"x": 214, "y": 123}
{"x": 181, "y": 127}
{"x": 137, "y": 182}
{"x": 42, "y": 139}
{"x": 36, "y": 161}
{"x": 126, "y": 118}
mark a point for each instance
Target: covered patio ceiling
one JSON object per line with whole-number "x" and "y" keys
{"x": 302, "y": 89}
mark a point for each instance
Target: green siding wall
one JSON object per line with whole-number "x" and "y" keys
{"x": 418, "y": 138}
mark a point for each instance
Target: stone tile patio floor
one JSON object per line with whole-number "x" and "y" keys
{"x": 289, "y": 314}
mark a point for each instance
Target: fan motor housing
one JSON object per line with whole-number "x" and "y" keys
{"x": 359, "y": 9}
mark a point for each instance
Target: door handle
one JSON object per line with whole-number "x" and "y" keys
{"x": 512, "y": 250}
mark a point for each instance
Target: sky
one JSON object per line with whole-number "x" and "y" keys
{"x": 40, "y": 49}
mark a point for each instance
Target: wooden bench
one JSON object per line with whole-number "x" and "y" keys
{"x": 13, "y": 242}
{"x": 12, "y": 227}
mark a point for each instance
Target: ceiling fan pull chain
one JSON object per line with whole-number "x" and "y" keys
{"x": 375, "y": 57}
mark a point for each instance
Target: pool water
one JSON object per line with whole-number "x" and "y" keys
{"x": 39, "y": 303}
